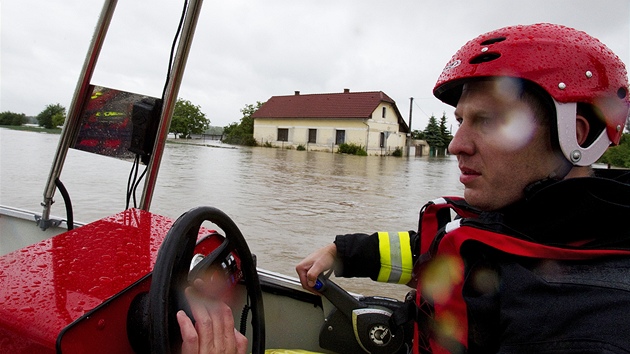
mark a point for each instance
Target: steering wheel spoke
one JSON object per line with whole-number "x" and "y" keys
{"x": 215, "y": 257}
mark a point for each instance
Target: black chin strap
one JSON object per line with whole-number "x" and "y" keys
{"x": 564, "y": 167}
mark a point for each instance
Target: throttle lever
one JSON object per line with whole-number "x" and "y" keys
{"x": 341, "y": 299}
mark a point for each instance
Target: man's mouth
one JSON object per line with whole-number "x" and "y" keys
{"x": 468, "y": 175}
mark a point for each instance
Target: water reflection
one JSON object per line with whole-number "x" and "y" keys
{"x": 286, "y": 202}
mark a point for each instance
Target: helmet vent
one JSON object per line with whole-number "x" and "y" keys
{"x": 622, "y": 92}
{"x": 493, "y": 40}
{"x": 483, "y": 58}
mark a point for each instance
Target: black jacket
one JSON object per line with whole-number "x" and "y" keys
{"x": 525, "y": 305}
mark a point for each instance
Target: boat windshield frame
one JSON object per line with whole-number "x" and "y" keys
{"x": 71, "y": 127}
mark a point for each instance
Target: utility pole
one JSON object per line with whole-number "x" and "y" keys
{"x": 409, "y": 135}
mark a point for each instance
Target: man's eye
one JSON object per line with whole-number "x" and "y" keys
{"x": 485, "y": 121}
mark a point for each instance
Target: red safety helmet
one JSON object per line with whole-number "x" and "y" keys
{"x": 568, "y": 64}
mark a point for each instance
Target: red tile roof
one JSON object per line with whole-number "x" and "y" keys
{"x": 324, "y": 105}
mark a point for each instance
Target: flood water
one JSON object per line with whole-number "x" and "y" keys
{"x": 287, "y": 203}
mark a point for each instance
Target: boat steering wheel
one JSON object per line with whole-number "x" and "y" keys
{"x": 171, "y": 271}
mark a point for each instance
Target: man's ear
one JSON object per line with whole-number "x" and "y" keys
{"x": 582, "y": 128}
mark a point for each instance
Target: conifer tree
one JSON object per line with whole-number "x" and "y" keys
{"x": 444, "y": 133}
{"x": 432, "y": 134}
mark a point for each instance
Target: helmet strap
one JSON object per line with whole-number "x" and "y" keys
{"x": 562, "y": 170}
{"x": 577, "y": 155}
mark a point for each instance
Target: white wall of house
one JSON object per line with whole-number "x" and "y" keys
{"x": 266, "y": 131}
{"x": 288, "y": 132}
{"x": 384, "y": 136}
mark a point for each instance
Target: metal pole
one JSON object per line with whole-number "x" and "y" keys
{"x": 172, "y": 89}
{"x": 410, "y": 111}
{"x": 410, "y": 131}
{"x": 72, "y": 123}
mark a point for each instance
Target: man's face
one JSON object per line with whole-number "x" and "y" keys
{"x": 500, "y": 146}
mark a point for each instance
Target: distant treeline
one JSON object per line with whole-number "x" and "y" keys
{"x": 12, "y": 118}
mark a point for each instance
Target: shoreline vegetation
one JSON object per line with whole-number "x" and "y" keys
{"x": 32, "y": 128}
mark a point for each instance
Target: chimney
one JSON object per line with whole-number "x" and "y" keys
{"x": 297, "y": 93}
{"x": 346, "y": 90}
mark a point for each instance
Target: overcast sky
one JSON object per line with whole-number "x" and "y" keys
{"x": 247, "y": 51}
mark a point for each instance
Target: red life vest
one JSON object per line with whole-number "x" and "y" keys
{"x": 442, "y": 322}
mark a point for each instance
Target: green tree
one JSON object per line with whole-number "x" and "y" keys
{"x": 618, "y": 156}
{"x": 417, "y": 134}
{"x": 11, "y": 118}
{"x": 242, "y": 133}
{"x": 188, "y": 119}
{"x": 45, "y": 117}
{"x": 444, "y": 133}
{"x": 433, "y": 135}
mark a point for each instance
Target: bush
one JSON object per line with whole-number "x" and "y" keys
{"x": 268, "y": 144}
{"x": 247, "y": 140}
{"x": 352, "y": 149}
{"x": 58, "y": 119}
{"x": 300, "y": 148}
{"x": 397, "y": 152}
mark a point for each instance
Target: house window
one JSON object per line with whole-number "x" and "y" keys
{"x": 283, "y": 134}
{"x": 340, "y": 137}
{"x": 383, "y": 114}
{"x": 382, "y": 144}
{"x": 312, "y": 136}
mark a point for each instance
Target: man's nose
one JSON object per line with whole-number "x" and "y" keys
{"x": 461, "y": 143}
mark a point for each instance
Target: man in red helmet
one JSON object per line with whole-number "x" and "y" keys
{"x": 539, "y": 261}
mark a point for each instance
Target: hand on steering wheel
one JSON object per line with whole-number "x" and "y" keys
{"x": 213, "y": 331}
{"x": 171, "y": 272}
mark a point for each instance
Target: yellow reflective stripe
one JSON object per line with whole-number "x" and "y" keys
{"x": 406, "y": 257}
{"x": 384, "y": 250}
{"x": 396, "y": 257}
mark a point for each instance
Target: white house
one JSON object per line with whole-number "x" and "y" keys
{"x": 323, "y": 121}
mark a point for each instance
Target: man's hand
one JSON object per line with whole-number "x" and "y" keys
{"x": 317, "y": 262}
{"x": 213, "y": 331}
